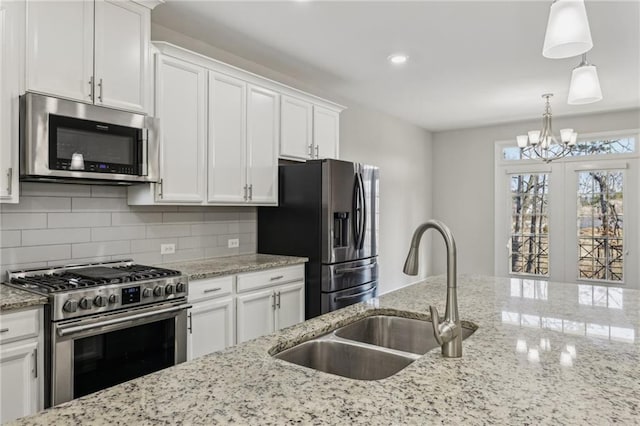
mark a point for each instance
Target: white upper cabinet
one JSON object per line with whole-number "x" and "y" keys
{"x": 326, "y": 132}
{"x": 11, "y": 15}
{"x": 181, "y": 109}
{"x": 89, "y": 51}
{"x": 227, "y": 139}
{"x": 262, "y": 145}
{"x": 121, "y": 54}
{"x": 296, "y": 130}
{"x": 59, "y": 50}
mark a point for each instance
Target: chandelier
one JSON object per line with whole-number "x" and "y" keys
{"x": 542, "y": 143}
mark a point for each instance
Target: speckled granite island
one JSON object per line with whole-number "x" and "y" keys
{"x": 219, "y": 266}
{"x": 12, "y": 299}
{"x": 544, "y": 353}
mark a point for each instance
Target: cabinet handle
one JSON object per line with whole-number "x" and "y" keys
{"x": 91, "y": 88}
{"x": 278, "y": 303}
{"x": 279, "y": 277}
{"x": 35, "y": 363}
{"x": 4, "y": 330}
{"x": 311, "y": 150}
{"x": 101, "y": 86}
{"x": 273, "y": 304}
{"x": 190, "y": 326}
{"x": 160, "y": 189}
{"x": 251, "y": 192}
{"x": 9, "y": 178}
{"x": 317, "y": 152}
{"x": 211, "y": 290}
{"x": 245, "y": 192}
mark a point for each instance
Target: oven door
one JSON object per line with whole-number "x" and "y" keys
{"x": 92, "y": 354}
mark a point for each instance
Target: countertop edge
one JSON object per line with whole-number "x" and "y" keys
{"x": 13, "y": 299}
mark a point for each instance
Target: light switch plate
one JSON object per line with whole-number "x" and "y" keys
{"x": 233, "y": 242}
{"x": 167, "y": 248}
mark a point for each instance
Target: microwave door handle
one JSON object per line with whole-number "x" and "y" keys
{"x": 145, "y": 153}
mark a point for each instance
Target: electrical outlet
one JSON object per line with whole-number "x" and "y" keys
{"x": 233, "y": 242}
{"x": 167, "y": 248}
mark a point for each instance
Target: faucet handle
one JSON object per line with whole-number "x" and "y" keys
{"x": 435, "y": 321}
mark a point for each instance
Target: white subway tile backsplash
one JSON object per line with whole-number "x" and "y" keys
{"x": 9, "y": 238}
{"x": 118, "y": 233}
{"x": 57, "y": 224}
{"x": 42, "y": 237}
{"x": 168, "y": 230}
{"x": 38, "y": 204}
{"x": 151, "y": 245}
{"x": 18, "y": 266}
{"x": 104, "y": 248}
{"x": 48, "y": 189}
{"x": 137, "y": 218}
{"x": 23, "y": 220}
{"x": 78, "y": 220}
{"x": 99, "y": 205}
{"x": 34, "y": 254}
{"x": 109, "y": 191}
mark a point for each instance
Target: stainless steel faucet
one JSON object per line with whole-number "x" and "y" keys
{"x": 448, "y": 333}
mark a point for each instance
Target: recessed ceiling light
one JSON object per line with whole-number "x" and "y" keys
{"x": 398, "y": 58}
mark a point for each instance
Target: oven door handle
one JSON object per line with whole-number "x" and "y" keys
{"x": 71, "y": 330}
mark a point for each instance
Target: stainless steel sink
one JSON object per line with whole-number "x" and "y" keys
{"x": 403, "y": 334}
{"x": 345, "y": 359}
{"x": 372, "y": 348}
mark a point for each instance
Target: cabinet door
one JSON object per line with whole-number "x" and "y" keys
{"x": 211, "y": 327}
{"x": 326, "y": 132}
{"x": 255, "y": 315}
{"x": 227, "y": 142}
{"x": 289, "y": 305}
{"x": 122, "y": 32}
{"x": 19, "y": 385}
{"x": 262, "y": 145}
{"x": 181, "y": 108}
{"x": 8, "y": 107}
{"x": 296, "y": 129}
{"x": 59, "y": 50}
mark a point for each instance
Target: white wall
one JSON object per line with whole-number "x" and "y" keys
{"x": 401, "y": 150}
{"x": 463, "y": 181}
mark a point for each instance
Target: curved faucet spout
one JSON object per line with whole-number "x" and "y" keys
{"x": 448, "y": 333}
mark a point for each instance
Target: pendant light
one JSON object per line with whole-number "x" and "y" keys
{"x": 585, "y": 85}
{"x": 568, "y": 32}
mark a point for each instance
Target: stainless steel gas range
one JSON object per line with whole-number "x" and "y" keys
{"x": 107, "y": 323}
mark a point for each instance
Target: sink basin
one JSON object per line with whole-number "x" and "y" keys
{"x": 345, "y": 359}
{"x": 402, "y": 334}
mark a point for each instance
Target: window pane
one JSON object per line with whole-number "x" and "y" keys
{"x": 529, "y": 224}
{"x": 584, "y": 148}
{"x": 600, "y": 225}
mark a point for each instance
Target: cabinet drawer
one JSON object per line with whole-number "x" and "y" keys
{"x": 19, "y": 325}
{"x": 271, "y": 277}
{"x": 210, "y": 288}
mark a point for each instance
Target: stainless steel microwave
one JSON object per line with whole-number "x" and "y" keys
{"x": 71, "y": 141}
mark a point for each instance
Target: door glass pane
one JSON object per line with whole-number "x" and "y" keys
{"x": 600, "y": 225}
{"x": 529, "y": 252}
{"x": 115, "y": 357}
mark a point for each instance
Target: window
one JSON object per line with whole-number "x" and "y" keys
{"x": 622, "y": 145}
{"x": 600, "y": 225}
{"x": 529, "y": 252}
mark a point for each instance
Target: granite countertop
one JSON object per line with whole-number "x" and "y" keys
{"x": 543, "y": 353}
{"x": 12, "y": 299}
{"x": 218, "y": 266}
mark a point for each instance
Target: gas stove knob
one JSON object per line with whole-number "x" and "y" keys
{"x": 157, "y": 291}
{"x": 85, "y": 303}
{"x": 70, "y": 306}
{"x": 181, "y": 288}
{"x": 100, "y": 301}
{"x": 146, "y": 292}
{"x": 113, "y": 299}
{"x": 169, "y": 289}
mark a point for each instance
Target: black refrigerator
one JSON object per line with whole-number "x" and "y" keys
{"x": 327, "y": 211}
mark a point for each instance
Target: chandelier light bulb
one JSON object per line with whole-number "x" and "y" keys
{"x": 568, "y": 33}
{"x": 565, "y": 135}
{"x": 585, "y": 85}
{"x": 574, "y": 139}
{"x": 534, "y": 137}
{"x": 522, "y": 140}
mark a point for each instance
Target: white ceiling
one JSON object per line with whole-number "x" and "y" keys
{"x": 471, "y": 63}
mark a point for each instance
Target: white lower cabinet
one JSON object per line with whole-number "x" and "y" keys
{"x": 255, "y": 314}
{"x": 20, "y": 364}
{"x": 210, "y": 327}
{"x": 289, "y": 305}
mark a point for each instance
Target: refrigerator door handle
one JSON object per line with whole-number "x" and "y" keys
{"x": 355, "y": 215}
{"x": 363, "y": 212}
